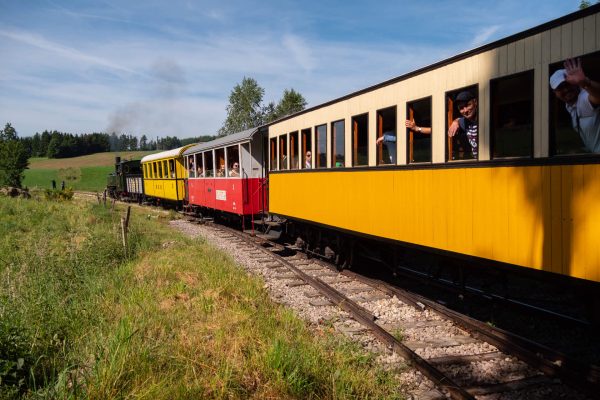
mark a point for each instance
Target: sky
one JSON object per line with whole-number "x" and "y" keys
{"x": 167, "y": 67}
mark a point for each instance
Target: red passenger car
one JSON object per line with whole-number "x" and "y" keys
{"x": 226, "y": 176}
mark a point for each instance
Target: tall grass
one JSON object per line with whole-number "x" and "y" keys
{"x": 177, "y": 319}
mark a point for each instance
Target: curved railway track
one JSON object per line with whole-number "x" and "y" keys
{"x": 464, "y": 358}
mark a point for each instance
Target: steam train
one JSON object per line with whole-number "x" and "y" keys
{"x": 529, "y": 199}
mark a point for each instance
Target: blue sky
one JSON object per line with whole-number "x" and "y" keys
{"x": 167, "y": 67}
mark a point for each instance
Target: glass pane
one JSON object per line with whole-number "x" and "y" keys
{"x": 512, "y": 116}
{"x": 306, "y": 149}
{"x": 283, "y": 152}
{"x": 419, "y": 138}
{"x": 321, "y": 137}
{"x": 386, "y": 134}
{"x": 220, "y": 159}
{"x": 273, "y": 152}
{"x": 209, "y": 167}
{"x": 360, "y": 140}
{"x": 338, "y": 150}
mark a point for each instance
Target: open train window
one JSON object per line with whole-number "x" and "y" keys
{"x": 386, "y": 136}
{"x": 418, "y": 136}
{"x": 306, "y": 147}
{"x": 190, "y": 166}
{"x": 273, "y": 154}
{"x": 294, "y": 159}
{"x": 321, "y": 146}
{"x": 338, "y": 143}
{"x": 462, "y": 110}
{"x": 568, "y": 133}
{"x": 209, "y": 166}
{"x": 220, "y": 161}
{"x": 172, "y": 168}
{"x": 283, "y": 155}
{"x": 233, "y": 161}
{"x": 154, "y": 173}
{"x": 512, "y": 116}
{"x": 360, "y": 140}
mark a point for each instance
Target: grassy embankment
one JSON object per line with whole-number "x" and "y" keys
{"x": 176, "y": 319}
{"x": 80, "y": 173}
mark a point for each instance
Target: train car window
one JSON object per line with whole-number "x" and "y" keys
{"x": 306, "y": 148}
{"x": 209, "y": 165}
{"x": 418, "y": 131}
{"x": 283, "y": 157}
{"x": 160, "y": 170}
{"x": 154, "y": 170}
{"x": 573, "y": 129}
{"x": 462, "y": 107}
{"x": 172, "y": 168}
{"x": 386, "y": 136}
{"x": 220, "y": 161}
{"x": 198, "y": 162}
{"x": 233, "y": 159}
{"x": 321, "y": 146}
{"x": 144, "y": 170}
{"x": 338, "y": 144}
{"x": 360, "y": 140}
{"x": 294, "y": 159}
{"x": 512, "y": 116}
{"x": 165, "y": 169}
{"x": 273, "y": 154}
{"x": 191, "y": 166}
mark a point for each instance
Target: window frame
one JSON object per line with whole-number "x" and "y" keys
{"x": 492, "y": 114}
{"x": 449, "y": 96}
{"x": 380, "y": 131}
{"x": 410, "y": 133}
{"x": 333, "y": 143}
{"x": 317, "y": 164}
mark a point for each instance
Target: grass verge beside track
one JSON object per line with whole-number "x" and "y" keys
{"x": 174, "y": 319}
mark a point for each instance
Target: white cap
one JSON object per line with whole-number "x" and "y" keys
{"x": 557, "y": 78}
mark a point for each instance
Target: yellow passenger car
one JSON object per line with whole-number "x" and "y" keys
{"x": 164, "y": 175}
{"x": 379, "y": 163}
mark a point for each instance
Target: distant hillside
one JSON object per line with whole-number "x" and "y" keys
{"x": 80, "y": 173}
{"x": 92, "y": 160}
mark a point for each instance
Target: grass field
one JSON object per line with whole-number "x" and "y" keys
{"x": 173, "y": 319}
{"x": 80, "y": 173}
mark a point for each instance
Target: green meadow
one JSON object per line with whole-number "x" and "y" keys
{"x": 79, "y": 173}
{"x": 167, "y": 318}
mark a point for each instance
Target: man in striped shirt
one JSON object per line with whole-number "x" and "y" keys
{"x": 466, "y": 102}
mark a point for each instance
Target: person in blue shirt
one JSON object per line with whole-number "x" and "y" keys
{"x": 389, "y": 140}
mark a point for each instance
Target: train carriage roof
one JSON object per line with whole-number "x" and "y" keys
{"x": 166, "y": 154}
{"x": 228, "y": 140}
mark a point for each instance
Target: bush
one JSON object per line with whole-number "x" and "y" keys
{"x": 56, "y": 194}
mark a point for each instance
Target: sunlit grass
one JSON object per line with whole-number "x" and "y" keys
{"x": 177, "y": 319}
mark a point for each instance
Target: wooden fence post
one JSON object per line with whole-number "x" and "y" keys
{"x": 125, "y": 228}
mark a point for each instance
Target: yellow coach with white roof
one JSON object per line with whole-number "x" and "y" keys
{"x": 164, "y": 175}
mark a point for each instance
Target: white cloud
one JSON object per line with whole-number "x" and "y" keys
{"x": 482, "y": 36}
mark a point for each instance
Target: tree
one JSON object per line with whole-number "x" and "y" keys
{"x": 143, "y": 143}
{"x": 244, "y": 110}
{"x": 291, "y": 102}
{"x": 13, "y": 157}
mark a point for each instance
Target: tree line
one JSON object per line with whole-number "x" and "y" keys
{"x": 55, "y": 144}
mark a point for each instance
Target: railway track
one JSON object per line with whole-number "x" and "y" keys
{"x": 464, "y": 358}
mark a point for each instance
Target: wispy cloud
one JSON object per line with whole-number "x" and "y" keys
{"x": 481, "y": 37}
{"x": 64, "y": 51}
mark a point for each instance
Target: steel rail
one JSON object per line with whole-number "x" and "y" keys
{"x": 367, "y": 319}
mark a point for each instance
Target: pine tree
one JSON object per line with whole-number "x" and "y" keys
{"x": 13, "y": 157}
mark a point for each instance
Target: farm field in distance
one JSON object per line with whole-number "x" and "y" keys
{"x": 80, "y": 173}
{"x": 170, "y": 318}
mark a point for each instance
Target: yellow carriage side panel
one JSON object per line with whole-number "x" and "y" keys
{"x": 541, "y": 217}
